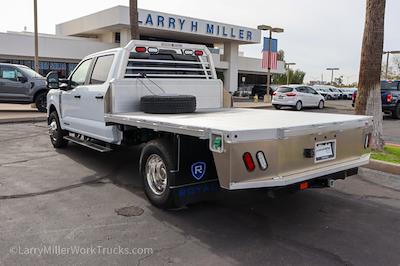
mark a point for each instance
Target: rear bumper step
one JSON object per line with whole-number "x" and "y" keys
{"x": 336, "y": 171}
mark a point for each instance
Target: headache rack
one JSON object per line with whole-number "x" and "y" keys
{"x": 147, "y": 61}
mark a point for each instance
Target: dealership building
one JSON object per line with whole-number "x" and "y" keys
{"x": 109, "y": 29}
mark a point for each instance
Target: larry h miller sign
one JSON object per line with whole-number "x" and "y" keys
{"x": 163, "y": 21}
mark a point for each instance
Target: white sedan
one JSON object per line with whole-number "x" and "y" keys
{"x": 297, "y": 97}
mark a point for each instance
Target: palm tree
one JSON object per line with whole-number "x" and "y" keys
{"x": 134, "y": 17}
{"x": 369, "y": 95}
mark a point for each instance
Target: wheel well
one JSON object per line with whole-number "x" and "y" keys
{"x": 38, "y": 92}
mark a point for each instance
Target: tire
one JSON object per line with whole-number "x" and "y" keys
{"x": 41, "y": 101}
{"x": 396, "y": 112}
{"x": 168, "y": 104}
{"x": 321, "y": 104}
{"x": 298, "y": 106}
{"x": 56, "y": 133}
{"x": 328, "y": 97}
{"x": 158, "y": 155}
{"x": 277, "y": 106}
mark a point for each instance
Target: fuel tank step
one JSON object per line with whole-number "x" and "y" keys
{"x": 88, "y": 144}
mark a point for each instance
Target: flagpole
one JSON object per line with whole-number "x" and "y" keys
{"x": 269, "y": 66}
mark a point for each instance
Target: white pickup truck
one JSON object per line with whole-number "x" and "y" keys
{"x": 167, "y": 97}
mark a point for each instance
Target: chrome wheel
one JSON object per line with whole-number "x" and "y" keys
{"x": 53, "y": 130}
{"x": 321, "y": 105}
{"x": 156, "y": 174}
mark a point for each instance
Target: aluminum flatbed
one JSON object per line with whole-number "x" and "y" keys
{"x": 237, "y": 125}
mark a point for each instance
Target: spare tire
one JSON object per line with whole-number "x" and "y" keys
{"x": 168, "y": 104}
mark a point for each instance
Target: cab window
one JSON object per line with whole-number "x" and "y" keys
{"x": 80, "y": 74}
{"x": 10, "y": 73}
{"x": 101, "y": 69}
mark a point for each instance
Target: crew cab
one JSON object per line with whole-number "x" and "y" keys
{"x": 166, "y": 97}
{"x": 390, "y": 94}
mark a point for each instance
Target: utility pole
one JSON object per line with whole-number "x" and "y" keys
{"x": 134, "y": 18}
{"x": 387, "y": 61}
{"x": 333, "y": 69}
{"x": 36, "y": 60}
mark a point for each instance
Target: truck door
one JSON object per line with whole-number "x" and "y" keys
{"x": 71, "y": 100}
{"x": 14, "y": 86}
{"x": 92, "y": 103}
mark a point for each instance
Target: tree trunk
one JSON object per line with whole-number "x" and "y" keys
{"x": 369, "y": 100}
{"x": 134, "y": 18}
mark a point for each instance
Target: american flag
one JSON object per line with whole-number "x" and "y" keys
{"x": 270, "y": 57}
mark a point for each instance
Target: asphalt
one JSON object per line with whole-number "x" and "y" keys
{"x": 74, "y": 198}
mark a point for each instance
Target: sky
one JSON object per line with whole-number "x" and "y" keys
{"x": 318, "y": 33}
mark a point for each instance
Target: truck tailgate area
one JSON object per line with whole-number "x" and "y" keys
{"x": 297, "y": 146}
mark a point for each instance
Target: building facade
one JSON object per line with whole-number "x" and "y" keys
{"x": 110, "y": 29}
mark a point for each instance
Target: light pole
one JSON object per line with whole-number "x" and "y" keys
{"x": 287, "y": 66}
{"x": 36, "y": 60}
{"x": 271, "y": 30}
{"x": 333, "y": 69}
{"x": 387, "y": 61}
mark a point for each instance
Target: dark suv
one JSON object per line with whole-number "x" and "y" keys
{"x": 260, "y": 90}
{"x": 20, "y": 84}
{"x": 390, "y": 93}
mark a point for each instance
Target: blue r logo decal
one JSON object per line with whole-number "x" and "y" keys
{"x": 198, "y": 170}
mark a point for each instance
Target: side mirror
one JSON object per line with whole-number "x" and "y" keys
{"x": 23, "y": 79}
{"x": 53, "y": 81}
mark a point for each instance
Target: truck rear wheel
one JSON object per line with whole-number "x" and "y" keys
{"x": 56, "y": 133}
{"x": 156, "y": 163}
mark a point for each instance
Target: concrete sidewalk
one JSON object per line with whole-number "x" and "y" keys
{"x": 18, "y": 113}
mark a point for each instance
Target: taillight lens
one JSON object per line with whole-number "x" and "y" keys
{"x": 273, "y": 94}
{"x": 262, "y": 161}
{"x": 198, "y": 53}
{"x": 291, "y": 94}
{"x": 140, "y": 49}
{"x": 389, "y": 98}
{"x": 248, "y": 162}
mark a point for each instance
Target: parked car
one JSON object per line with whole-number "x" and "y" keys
{"x": 20, "y": 84}
{"x": 336, "y": 94}
{"x": 390, "y": 93}
{"x": 260, "y": 90}
{"x": 326, "y": 92}
{"x": 297, "y": 96}
{"x": 348, "y": 93}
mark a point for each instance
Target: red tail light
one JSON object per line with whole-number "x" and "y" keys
{"x": 140, "y": 49}
{"x": 273, "y": 94}
{"x": 248, "y": 162}
{"x": 389, "y": 98}
{"x": 198, "y": 53}
{"x": 291, "y": 94}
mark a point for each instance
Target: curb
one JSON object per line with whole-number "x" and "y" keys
{"x": 22, "y": 120}
{"x": 391, "y": 168}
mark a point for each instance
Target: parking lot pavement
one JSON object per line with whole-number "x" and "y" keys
{"x": 72, "y": 197}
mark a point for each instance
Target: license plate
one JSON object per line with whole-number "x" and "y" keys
{"x": 325, "y": 151}
{"x": 280, "y": 97}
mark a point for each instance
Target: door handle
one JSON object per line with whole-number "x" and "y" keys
{"x": 77, "y": 96}
{"x": 100, "y": 97}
